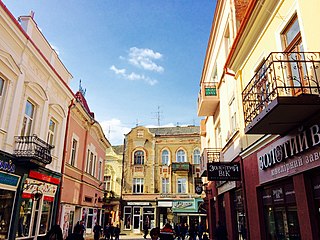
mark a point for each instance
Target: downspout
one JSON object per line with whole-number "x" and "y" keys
{"x": 63, "y": 162}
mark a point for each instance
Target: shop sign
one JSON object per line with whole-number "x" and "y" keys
{"x": 223, "y": 171}
{"x": 289, "y": 155}
{"x": 164, "y": 204}
{"x": 138, "y": 203}
{"x": 183, "y": 205}
{"x": 9, "y": 179}
{"x": 7, "y": 166}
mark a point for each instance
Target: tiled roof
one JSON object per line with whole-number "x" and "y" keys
{"x": 175, "y": 130}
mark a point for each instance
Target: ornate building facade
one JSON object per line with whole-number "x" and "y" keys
{"x": 160, "y": 173}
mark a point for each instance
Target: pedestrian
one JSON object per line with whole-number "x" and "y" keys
{"x": 106, "y": 232}
{"x": 82, "y": 227}
{"x": 145, "y": 229}
{"x": 76, "y": 235}
{"x": 96, "y": 231}
{"x": 200, "y": 230}
{"x": 221, "y": 232}
{"x": 183, "y": 231}
{"x": 192, "y": 231}
{"x": 166, "y": 232}
{"x": 111, "y": 230}
{"x": 116, "y": 232}
{"x": 177, "y": 230}
{"x": 155, "y": 233}
{"x": 55, "y": 233}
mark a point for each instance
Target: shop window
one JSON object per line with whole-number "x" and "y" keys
{"x": 196, "y": 156}
{"x": 181, "y": 156}
{"x": 280, "y": 212}
{"x": 25, "y": 218}
{"x": 127, "y": 218}
{"x": 165, "y": 157}
{"x": 45, "y": 217}
{"x": 6, "y": 202}
{"x": 28, "y": 119}
{"x": 138, "y": 157}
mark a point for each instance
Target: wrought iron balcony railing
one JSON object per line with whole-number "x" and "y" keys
{"x": 180, "y": 166}
{"x": 208, "y": 155}
{"x": 282, "y": 74}
{"x": 33, "y": 148}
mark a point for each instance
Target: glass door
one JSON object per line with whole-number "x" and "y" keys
{"x": 136, "y": 219}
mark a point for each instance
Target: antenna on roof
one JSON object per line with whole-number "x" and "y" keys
{"x": 32, "y": 14}
{"x": 158, "y": 116}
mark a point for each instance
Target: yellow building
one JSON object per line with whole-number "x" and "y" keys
{"x": 112, "y": 180}
{"x": 160, "y": 174}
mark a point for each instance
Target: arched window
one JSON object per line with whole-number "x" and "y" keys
{"x": 139, "y": 157}
{"x": 181, "y": 156}
{"x": 196, "y": 156}
{"x": 165, "y": 157}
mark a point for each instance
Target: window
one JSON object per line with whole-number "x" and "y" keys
{"x": 218, "y": 136}
{"x": 1, "y": 89}
{"x": 107, "y": 180}
{"x": 181, "y": 156}
{"x": 165, "y": 185}
{"x": 182, "y": 185}
{"x": 139, "y": 157}
{"x": 25, "y": 217}
{"x": 73, "y": 152}
{"x": 45, "y": 217}
{"x": 137, "y": 185}
{"x": 165, "y": 157}
{"x": 291, "y": 36}
{"x": 6, "y": 203}
{"x": 27, "y": 119}
{"x": 51, "y": 131}
{"x": 99, "y": 170}
{"x": 233, "y": 115}
{"x": 127, "y": 217}
{"x": 140, "y": 133}
{"x": 196, "y": 156}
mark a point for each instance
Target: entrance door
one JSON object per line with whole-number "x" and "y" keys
{"x": 136, "y": 219}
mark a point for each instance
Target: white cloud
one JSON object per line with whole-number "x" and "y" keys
{"x": 144, "y": 58}
{"x": 114, "y": 131}
{"x": 133, "y": 76}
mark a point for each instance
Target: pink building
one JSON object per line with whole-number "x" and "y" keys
{"x": 82, "y": 183}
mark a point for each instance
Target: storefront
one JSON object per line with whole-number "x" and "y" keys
{"x": 289, "y": 185}
{"x": 135, "y": 214}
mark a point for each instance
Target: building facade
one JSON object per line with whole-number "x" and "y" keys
{"x": 112, "y": 181}
{"x": 82, "y": 190}
{"x": 160, "y": 173}
{"x": 34, "y": 101}
{"x": 272, "y": 64}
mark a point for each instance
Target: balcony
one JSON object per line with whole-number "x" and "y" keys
{"x": 208, "y": 155}
{"x": 181, "y": 166}
{"x": 208, "y": 99}
{"x": 32, "y": 149}
{"x": 283, "y": 93}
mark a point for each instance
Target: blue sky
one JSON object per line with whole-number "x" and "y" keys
{"x": 135, "y": 58}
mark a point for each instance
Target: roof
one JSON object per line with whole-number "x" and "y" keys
{"x": 162, "y": 131}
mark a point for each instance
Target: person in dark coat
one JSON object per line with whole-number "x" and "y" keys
{"x": 76, "y": 235}
{"x": 183, "y": 231}
{"x": 116, "y": 231}
{"x": 55, "y": 233}
{"x": 221, "y": 232}
{"x": 96, "y": 231}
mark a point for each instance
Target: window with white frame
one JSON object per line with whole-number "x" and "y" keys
{"x": 51, "y": 132}
{"x": 233, "y": 115}
{"x": 181, "y": 156}
{"x": 165, "y": 185}
{"x": 165, "y": 157}
{"x": 1, "y": 89}
{"x": 94, "y": 172}
{"x": 99, "y": 170}
{"x": 139, "y": 157}
{"x": 182, "y": 185}
{"x": 107, "y": 180}
{"x": 28, "y": 119}
{"x": 74, "y": 148}
{"x": 196, "y": 156}
{"x": 127, "y": 217}
{"x": 137, "y": 185}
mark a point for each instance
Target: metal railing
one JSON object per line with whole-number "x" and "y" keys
{"x": 34, "y": 148}
{"x": 282, "y": 74}
{"x": 209, "y": 155}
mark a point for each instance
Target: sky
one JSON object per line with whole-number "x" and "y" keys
{"x": 139, "y": 61}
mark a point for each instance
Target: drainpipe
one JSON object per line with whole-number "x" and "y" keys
{"x": 63, "y": 162}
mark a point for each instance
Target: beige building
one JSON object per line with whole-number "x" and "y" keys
{"x": 34, "y": 101}
{"x": 112, "y": 180}
{"x": 160, "y": 173}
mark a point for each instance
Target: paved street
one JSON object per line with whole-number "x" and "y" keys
{"x": 131, "y": 237}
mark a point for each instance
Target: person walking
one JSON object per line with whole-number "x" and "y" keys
{"x": 96, "y": 231}
{"x": 77, "y": 233}
{"x": 183, "y": 231}
{"x": 106, "y": 232}
{"x": 221, "y": 232}
{"x": 116, "y": 232}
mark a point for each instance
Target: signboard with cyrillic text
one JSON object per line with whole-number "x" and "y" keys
{"x": 223, "y": 171}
